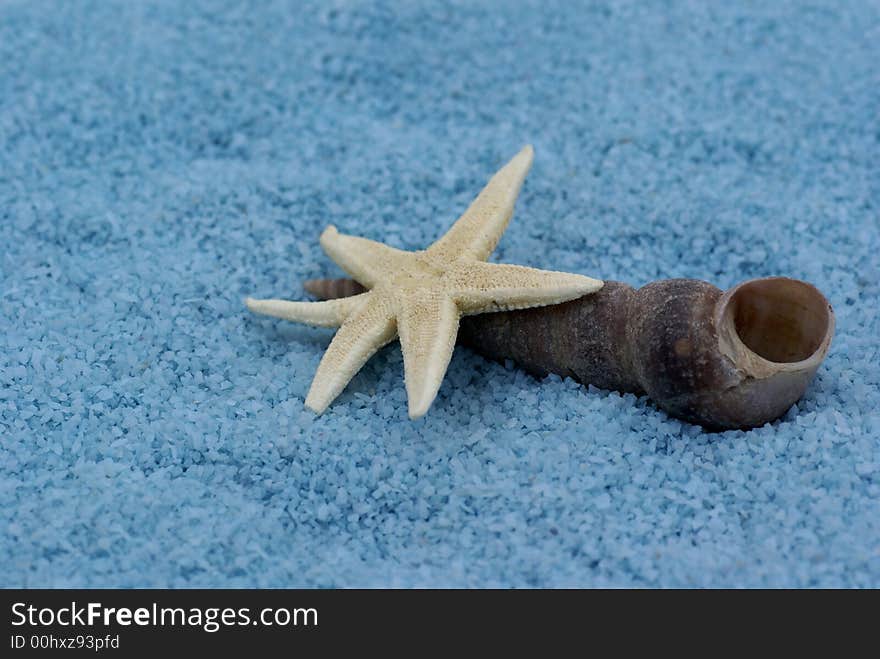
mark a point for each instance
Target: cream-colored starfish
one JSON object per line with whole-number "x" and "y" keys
{"x": 420, "y": 296}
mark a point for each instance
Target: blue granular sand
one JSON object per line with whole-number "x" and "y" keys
{"x": 161, "y": 160}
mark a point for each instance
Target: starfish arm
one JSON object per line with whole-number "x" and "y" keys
{"x": 330, "y": 313}
{"x": 479, "y": 287}
{"x": 427, "y": 324}
{"x": 363, "y": 333}
{"x": 476, "y": 233}
{"x": 367, "y": 261}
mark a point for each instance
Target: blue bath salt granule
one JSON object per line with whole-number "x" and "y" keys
{"x": 161, "y": 161}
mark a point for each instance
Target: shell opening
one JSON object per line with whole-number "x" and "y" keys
{"x": 782, "y": 320}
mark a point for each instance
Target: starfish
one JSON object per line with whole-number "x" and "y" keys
{"x": 420, "y": 296}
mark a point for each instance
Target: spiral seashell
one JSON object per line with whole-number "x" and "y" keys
{"x": 734, "y": 359}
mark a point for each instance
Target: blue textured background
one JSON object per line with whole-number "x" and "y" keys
{"x": 161, "y": 160}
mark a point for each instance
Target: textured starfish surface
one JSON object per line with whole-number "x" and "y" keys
{"x": 420, "y": 296}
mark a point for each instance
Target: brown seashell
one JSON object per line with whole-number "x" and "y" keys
{"x": 734, "y": 359}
